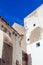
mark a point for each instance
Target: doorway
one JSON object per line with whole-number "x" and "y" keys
{"x": 7, "y": 55}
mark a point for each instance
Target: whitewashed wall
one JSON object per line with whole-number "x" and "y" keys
{"x": 36, "y": 52}
{"x": 1, "y": 43}
{"x": 36, "y": 17}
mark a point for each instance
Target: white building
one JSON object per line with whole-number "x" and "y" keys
{"x": 33, "y": 24}
{"x": 10, "y": 45}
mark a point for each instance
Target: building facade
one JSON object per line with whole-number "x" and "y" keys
{"x": 10, "y": 45}
{"x": 21, "y": 31}
{"x": 33, "y": 24}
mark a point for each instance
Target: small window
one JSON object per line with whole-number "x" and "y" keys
{"x": 38, "y": 44}
{"x": 28, "y": 39}
{"x": 34, "y": 24}
{"x": 15, "y": 34}
{"x": 2, "y": 26}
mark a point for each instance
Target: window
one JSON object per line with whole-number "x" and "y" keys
{"x": 28, "y": 39}
{"x": 2, "y": 26}
{"x": 38, "y": 44}
{"x": 34, "y": 24}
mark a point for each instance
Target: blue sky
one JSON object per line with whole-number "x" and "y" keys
{"x": 15, "y": 10}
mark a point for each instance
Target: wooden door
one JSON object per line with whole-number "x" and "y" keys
{"x": 7, "y": 55}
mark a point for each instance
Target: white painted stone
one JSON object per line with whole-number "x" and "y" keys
{"x": 1, "y": 43}
{"x": 36, "y": 17}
